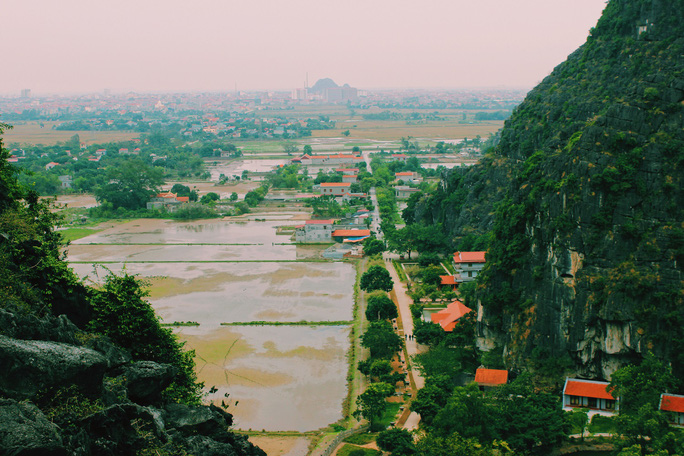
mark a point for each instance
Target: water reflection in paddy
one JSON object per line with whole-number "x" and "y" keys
{"x": 211, "y": 293}
{"x": 284, "y": 378}
{"x": 170, "y": 232}
{"x": 181, "y": 253}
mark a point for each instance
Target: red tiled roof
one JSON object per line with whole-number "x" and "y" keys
{"x": 672, "y": 403}
{"x": 447, "y": 318}
{"x": 407, "y": 173}
{"x": 448, "y": 280}
{"x": 343, "y": 233}
{"x": 587, "y": 388}
{"x": 490, "y": 377}
{"x": 320, "y": 222}
{"x": 469, "y": 257}
{"x": 183, "y": 199}
{"x": 335, "y": 184}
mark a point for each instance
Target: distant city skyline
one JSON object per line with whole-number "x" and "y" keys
{"x": 81, "y": 46}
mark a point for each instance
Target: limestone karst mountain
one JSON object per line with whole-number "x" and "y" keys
{"x": 581, "y": 203}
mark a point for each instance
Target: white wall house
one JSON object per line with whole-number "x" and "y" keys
{"x": 315, "y": 231}
{"x": 468, "y": 265}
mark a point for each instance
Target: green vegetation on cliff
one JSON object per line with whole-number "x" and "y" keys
{"x": 580, "y": 204}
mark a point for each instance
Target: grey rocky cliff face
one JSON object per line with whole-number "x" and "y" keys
{"x": 29, "y": 366}
{"x": 24, "y": 430}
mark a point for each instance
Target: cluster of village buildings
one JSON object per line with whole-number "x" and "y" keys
{"x": 592, "y": 395}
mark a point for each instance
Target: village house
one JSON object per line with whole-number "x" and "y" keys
{"x": 168, "y": 201}
{"x": 673, "y": 403}
{"x": 347, "y": 171}
{"x": 589, "y": 394}
{"x": 408, "y": 177}
{"x": 333, "y": 188}
{"x": 349, "y": 196}
{"x": 448, "y": 317}
{"x": 350, "y": 235}
{"x": 403, "y": 192}
{"x": 65, "y": 181}
{"x": 468, "y": 265}
{"x": 349, "y": 178}
{"x": 398, "y": 157}
{"x": 51, "y": 165}
{"x": 315, "y": 231}
{"x": 490, "y": 378}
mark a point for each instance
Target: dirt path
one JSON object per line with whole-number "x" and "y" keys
{"x": 408, "y": 420}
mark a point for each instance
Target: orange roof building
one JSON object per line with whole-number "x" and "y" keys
{"x": 469, "y": 257}
{"x": 341, "y": 235}
{"x": 447, "y": 318}
{"x": 491, "y": 377}
{"x": 590, "y": 394}
{"x": 673, "y": 403}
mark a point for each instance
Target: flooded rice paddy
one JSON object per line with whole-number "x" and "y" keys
{"x": 274, "y": 378}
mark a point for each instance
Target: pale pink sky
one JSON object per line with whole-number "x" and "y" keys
{"x": 77, "y": 46}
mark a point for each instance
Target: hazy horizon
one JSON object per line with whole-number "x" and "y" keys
{"x": 153, "y": 46}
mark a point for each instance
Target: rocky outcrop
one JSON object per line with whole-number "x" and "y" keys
{"x": 145, "y": 380}
{"x": 98, "y": 401}
{"x": 29, "y": 366}
{"x": 24, "y": 431}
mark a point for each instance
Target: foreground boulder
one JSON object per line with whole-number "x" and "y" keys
{"x": 24, "y": 430}
{"x": 29, "y": 366}
{"x": 145, "y": 380}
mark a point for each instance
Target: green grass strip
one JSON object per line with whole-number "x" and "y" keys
{"x": 288, "y": 323}
{"x": 310, "y": 260}
{"x": 181, "y": 323}
{"x": 164, "y": 243}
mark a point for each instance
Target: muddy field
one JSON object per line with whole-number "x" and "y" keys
{"x": 33, "y": 133}
{"x": 276, "y": 378}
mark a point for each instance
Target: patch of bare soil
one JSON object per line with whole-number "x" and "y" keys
{"x": 281, "y": 445}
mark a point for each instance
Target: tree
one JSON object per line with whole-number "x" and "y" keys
{"x": 373, "y": 246}
{"x": 428, "y": 333}
{"x": 380, "y": 307}
{"x": 121, "y": 313}
{"x": 371, "y": 404}
{"x": 380, "y": 369}
{"x": 642, "y": 384}
{"x": 431, "y": 275}
{"x": 381, "y": 339}
{"x": 290, "y": 148}
{"x": 308, "y": 150}
{"x": 376, "y": 278}
{"x": 234, "y": 196}
{"x": 639, "y": 388}
{"x": 450, "y": 445}
{"x": 578, "y": 418}
{"x": 131, "y": 184}
{"x": 184, "y": 190}
{"x": 346, "y": 133}
{"x": 210, "y": 197}
{"x": 432, "y": 397}
{"x": 396, "y": 440}
{"x": 520, "y": 412}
